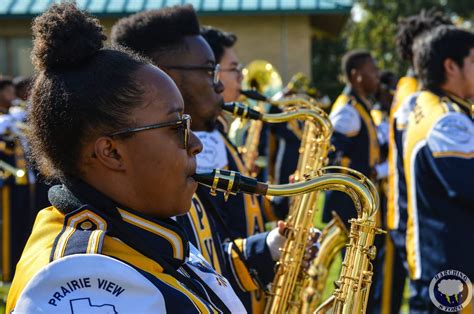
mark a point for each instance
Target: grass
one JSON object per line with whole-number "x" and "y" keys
{"x": 336, "y": 265}
{"x": 3, "y": 295}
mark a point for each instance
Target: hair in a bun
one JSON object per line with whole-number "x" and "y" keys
{"x": 65, "y": 36}
{"x": 81, "y": 90}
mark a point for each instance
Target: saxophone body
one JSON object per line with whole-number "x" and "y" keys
{"x": 333, "y": 238}
{"x": 288, "y": 282}
{"x": 353, "y": 285}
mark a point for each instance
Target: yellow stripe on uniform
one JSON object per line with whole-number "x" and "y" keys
{"x": 428, "y": 110}
{"x": 71, "y": 226}
{"x": 239, "y": 269}
{"x": 374, "y": 151}
{"x": 405, "y": 87}
{"x": 202, "y": 230}
{"x": 253, "y": 213}
{"x": 387, "y": 276}
{"x": 170, "y": 235}
{"x": 6, "y": 253}
{"x": 173, "y": 282}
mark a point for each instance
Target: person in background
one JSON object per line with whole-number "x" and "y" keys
{"x": 409, "y": 28}
{"x": 439, "y": 162}
{"x": 222, "y": 45}
{"x": 15, "y": 183}
{"x": 7, "y": 94}
{"x": 22, "y": 89}
{"x": 355, "y": 134}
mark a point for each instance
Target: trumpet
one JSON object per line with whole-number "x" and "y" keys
{"x": 353, "y": 286}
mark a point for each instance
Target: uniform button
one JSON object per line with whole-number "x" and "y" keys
{"x": 86, "y": 225}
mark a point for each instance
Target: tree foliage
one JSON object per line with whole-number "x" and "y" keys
{"x": 376, "y": 31}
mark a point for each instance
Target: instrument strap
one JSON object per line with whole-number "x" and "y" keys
{"x": 218, "y": 219}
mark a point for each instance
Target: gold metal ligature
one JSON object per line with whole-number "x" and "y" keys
{"x": 352, "y": 288}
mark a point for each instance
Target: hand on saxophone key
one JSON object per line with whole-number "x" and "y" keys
{"x": 277, "y": 237}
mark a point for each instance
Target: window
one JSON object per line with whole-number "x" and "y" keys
{"x": 15, "y": 56}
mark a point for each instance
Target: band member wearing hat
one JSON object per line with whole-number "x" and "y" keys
{"x": 111, "y": 127}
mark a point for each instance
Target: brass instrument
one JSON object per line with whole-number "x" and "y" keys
{"x": 262, "y": 77}
{"x": 333, "y": 238}
{"x": 15, "y": 133}
{"x": 352, "y": 291}
{"x": 8, "y": 170}
{"x": 314, "y": 148}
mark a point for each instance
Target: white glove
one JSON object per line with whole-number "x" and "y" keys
{"x": 275, "y": 241}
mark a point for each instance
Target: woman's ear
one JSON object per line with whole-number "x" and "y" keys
{"x": 107, "y": 151}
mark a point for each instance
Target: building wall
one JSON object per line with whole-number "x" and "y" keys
{"x": 284, "y": 41}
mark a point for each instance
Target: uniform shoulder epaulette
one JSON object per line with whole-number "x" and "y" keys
{"x": 345, "y": 118}
{"x": 452, "y": 136}
{"x": 83, "y": 233}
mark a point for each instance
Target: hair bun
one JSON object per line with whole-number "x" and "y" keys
{"x": 65, "y": 36}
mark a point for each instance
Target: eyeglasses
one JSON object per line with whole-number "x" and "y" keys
{"x": 184, "y": 124}
{"x": 237, "y": 69}
{"x": 213, "y": 70}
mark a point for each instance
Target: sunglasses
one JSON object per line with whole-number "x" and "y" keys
{"x": 184, "y": 124}
{"x": 214, "y": 71}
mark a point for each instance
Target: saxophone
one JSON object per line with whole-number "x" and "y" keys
{"x": 314, "y": 147}
{"x": 353, "y": 286}
{"x": 333, "y": 238}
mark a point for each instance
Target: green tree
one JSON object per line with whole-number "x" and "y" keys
{"x": 376, "y": 31}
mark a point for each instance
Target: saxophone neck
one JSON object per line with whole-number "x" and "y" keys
{"x": 356, "y": 185}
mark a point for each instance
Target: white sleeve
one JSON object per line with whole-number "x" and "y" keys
{"x": 90, "y": 283}
{"x": 452, "y": 135}
{"x": 346, "y": 120}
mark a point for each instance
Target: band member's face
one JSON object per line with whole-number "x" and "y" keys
{"x": 7, "y": 95}
{"x": 231, "y": 75}
{"x": 369, "y": 73}
{"x": 467, "y": 75}
{"x": 158, "y": 165}
{"x": 202, "y": 97}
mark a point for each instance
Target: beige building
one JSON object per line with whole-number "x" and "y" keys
{"x": 279, "y": 31}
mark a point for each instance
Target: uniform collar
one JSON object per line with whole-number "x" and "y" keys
{"x": 165, "y": 236}
{"x": 466, "y": 106}
{"x": 349, "y": 91}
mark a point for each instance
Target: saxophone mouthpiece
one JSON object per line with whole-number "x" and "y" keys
{"x": 241, "y": 110}
{"x": 230, "y": 182}
{"x": 253, "y": 94}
